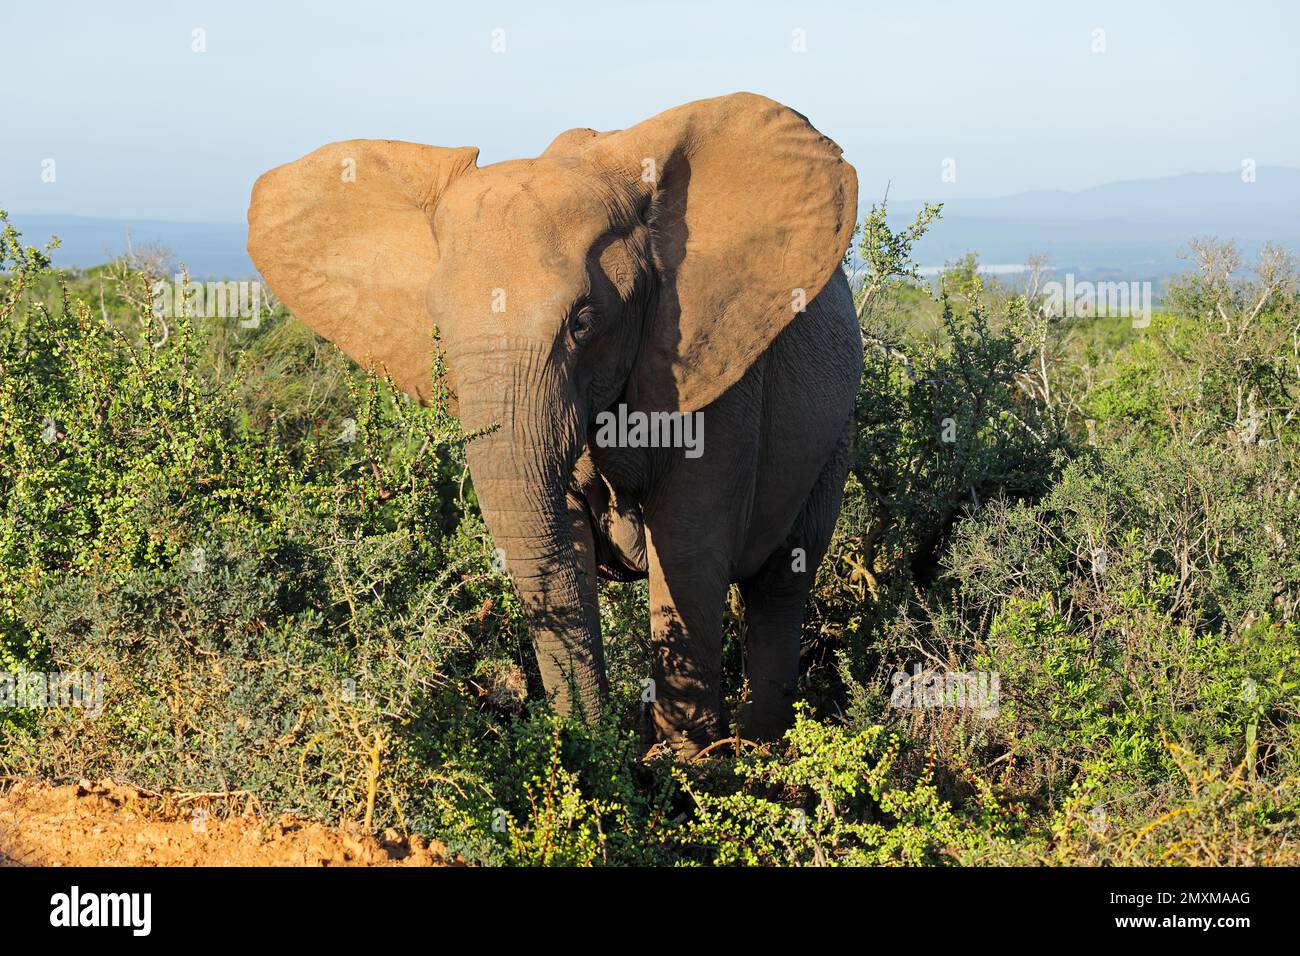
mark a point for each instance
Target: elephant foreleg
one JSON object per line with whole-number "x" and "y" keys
{"x": 688, "y": 588}
{"x": 584, "y": 544}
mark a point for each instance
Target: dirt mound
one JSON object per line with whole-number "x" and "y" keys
{"x": 107, "y": 824}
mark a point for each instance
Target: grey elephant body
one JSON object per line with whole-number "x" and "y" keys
{"x": 756, "y": 509}
{"x": 662, "y": 269}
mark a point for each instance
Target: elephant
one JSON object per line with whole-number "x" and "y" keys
{"x": 688, "y": 267}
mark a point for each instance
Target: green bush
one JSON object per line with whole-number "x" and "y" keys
{"x": 831, "y": 798}
{"x": 277, "y": 563}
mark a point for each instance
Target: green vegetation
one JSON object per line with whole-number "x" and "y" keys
{"x": 278, "y": 565}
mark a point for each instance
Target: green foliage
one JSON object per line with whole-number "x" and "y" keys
{"x": 277, "y": 563}
{"x": 830, "y": 797}
{"x": 946, "y": 422}
{"x": 261, "y": 603}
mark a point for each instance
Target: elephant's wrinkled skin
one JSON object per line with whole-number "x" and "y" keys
{"x": 690, "y": 263}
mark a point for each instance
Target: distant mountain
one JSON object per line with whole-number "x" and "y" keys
{"x": 1133, "y": 229}
{"x": 209, "y": 250}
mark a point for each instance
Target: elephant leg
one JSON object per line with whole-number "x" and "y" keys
{"x": 585, "y": 546}
{"x": 774, "y": 612}
{"x": 776, "y": 598}
{"x": 688, "y": 589}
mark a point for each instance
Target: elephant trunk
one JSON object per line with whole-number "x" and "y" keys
{"x": 521, "y": 475}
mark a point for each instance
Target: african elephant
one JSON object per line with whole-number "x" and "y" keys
{"x": 688, "y": 265}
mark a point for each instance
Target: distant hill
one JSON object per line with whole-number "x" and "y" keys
{"x": 1133, "y": 229}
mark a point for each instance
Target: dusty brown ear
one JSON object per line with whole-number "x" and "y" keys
{"x": 572, "y": 142}
{"x": 751, "y": 211}
{"x": 343, "y": 237}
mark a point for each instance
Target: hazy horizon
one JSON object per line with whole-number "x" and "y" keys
{"x": 865, "y": 201}
{"x": 1136, "y": 229}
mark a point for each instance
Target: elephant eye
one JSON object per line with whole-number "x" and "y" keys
{"x": 583, "y": 323}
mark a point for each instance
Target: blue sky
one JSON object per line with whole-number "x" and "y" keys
{"x": 139, "y": 125}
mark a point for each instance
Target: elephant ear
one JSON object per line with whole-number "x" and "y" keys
{"x": 343, "y": 237}
{"x": 751, "y": 211}
{"x": 572, "y": 142}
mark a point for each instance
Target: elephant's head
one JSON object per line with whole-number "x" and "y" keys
{"x": 650, "y": 265}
